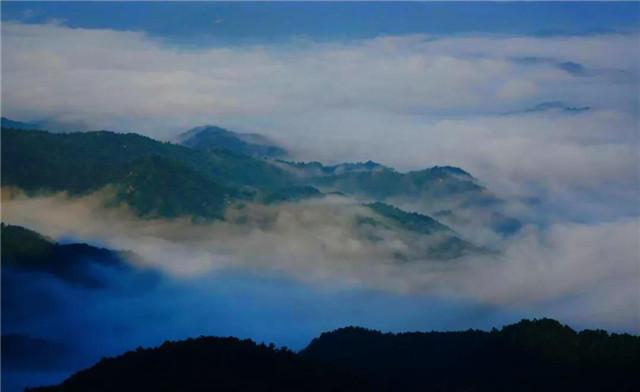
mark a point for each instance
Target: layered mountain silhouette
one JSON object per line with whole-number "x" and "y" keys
{"x": 538, "y": 355}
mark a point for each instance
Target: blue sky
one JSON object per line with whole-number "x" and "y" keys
{"x": 198, "y": 22}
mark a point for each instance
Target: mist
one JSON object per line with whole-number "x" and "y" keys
{"x": 318, "y": 243}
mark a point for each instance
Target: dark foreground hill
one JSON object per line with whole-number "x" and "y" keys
{"x": 210, "y": 364}
{"x": 539, "y": 355}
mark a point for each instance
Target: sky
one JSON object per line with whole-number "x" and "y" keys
{"x": 539, "y": 101}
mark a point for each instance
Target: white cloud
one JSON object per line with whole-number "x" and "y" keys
{"x": 576, "y": 272}
{"x": 409, "y": 101}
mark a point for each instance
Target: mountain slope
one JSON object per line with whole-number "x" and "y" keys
{"x": 165, "y": 180}
{"x": 188, "y": 182}
{"x": 433, "y": 240}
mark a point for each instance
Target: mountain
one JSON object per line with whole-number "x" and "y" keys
{"x": 26, "y": 250}
{"x": 528, "y": 356}
{"x": 209, "y": 364}
{"x": 410, "y": 221}
{"x": 210, "y": 137}
{"x": 156, "y": 179}
{"x": 317, "y": 169}
{"x": 444, "y": 191}
{"x": 8, "y": 123}
{"x": 166, "y": 180}
{"x": 434, "y": 241}
{"x": 557, "y": 106}
{"x": 293, "y": 194}
{"x": 538, "y": 355}
{"x": 384, "y": 183}
{"x": 381, "y": 183}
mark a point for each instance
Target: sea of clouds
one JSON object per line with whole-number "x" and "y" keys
{"x": 477, "y": 101}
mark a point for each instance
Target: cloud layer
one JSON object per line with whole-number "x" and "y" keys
{"x": 580, "y": 273}
{"x": 407, "y": 101}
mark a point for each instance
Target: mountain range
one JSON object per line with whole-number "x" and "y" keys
{"x": 532, "y": 355}
{"x": 213, "y": 169}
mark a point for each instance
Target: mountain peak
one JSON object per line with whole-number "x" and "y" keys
{"x": 212, "y": 137}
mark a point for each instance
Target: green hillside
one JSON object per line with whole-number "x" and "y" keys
{"x": 155, "y": 178}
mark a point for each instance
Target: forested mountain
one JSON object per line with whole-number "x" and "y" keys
{"x": 165, "y": 180}
{"x": 538, "y": 355}
{"x": 185, "y": 181}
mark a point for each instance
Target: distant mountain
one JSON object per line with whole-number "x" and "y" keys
{"x": 8, "y": 123}
{"x": 210, "y": 137}
{"x": 317, "y": 169}
{"x": 538, "y": 355}
{"x": 156, "y": 179}
{"x": 167, "y": 180}
{"x": 24, "y": 352}
{"x": 292, "y": 194}
{"x": 557, "y": 106}
{"x": 429, "y": 191}
{"x": 434, "y": 241}
{"x": 24, "y": 249}
{"x": 378, "y": 182}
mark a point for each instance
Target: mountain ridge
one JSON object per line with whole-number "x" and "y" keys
{"x": 529, "y": 355}
{"x": 165, "y": 180}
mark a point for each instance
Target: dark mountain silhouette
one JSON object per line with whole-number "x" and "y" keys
{"x": 210, "y": 364}
{"x": 538, "y": 355}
